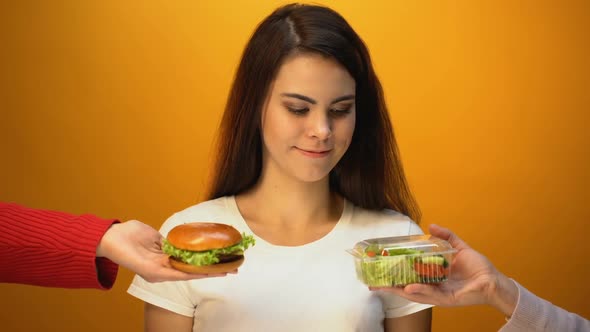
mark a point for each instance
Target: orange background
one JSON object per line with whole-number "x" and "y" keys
{"x": 110, "y": 107}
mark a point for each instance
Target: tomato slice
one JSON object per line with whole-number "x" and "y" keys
{"x": 371, "y": 253}
{"x": 430, "y": 270}
{"x": 384, "y": 252}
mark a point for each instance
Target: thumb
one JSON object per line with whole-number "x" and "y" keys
{"x": 447, "y": 235}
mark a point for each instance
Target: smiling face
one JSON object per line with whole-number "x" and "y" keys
{"x": 309, "y": 118}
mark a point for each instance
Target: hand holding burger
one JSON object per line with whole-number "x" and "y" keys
{"x": 206, "y": 248}
{"x": 137, "y": 247}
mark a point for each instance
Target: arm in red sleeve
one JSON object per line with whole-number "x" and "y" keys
{"x": 53, "y": 249}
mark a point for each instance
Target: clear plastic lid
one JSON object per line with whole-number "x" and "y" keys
{"x": 402, "y": 245}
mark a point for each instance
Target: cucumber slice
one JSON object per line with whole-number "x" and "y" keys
{"x": 403, "y": 251}
{"x": 438, "y": 260}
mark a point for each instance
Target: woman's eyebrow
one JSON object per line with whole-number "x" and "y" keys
{"x": 343, "y": 98}
{"x": 298, "y": 96}
{"x": 313, "y": 101}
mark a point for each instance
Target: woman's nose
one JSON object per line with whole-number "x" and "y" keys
{"x": 320, "y": 126}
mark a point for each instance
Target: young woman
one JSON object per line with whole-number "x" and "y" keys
{"x": 307, "y": 163}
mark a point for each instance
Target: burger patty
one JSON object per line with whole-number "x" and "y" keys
{"x": 228, "y": 258}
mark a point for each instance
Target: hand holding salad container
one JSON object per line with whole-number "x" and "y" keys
{"x": 402, "y": 260}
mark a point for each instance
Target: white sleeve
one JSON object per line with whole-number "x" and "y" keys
{"x": 171, "y": 295}
{"x": 396, "y": 306}
{"x": 533, "y": 313}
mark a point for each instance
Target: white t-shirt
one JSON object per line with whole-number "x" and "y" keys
{"x": 312, "y": 287}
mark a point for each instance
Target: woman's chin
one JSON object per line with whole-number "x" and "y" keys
{"x": 313, "y": 177}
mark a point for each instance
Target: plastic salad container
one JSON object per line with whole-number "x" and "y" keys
{"x": 398, "y": 261}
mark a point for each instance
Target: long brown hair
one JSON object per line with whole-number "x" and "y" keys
{"x": 370, "y": 174}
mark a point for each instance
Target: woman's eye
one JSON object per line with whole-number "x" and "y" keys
{"x": 340, "y": 111}
{"x": 298, "y": 111}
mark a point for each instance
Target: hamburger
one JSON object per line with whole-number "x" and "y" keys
{"x": 206, "y": 248}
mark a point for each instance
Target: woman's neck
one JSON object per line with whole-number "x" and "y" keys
{"x": 289, "y": 211}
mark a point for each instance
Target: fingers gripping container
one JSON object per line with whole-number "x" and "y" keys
{"x": 398, "y": 261}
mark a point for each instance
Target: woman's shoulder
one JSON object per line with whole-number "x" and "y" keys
{"x": 213, "y": 210}
{"x": 385, "y": 221}
{"x": 205, "y": 207}
{"x": 377, "y": 216}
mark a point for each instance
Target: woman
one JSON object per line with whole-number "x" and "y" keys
{"x": 309, "y": 164}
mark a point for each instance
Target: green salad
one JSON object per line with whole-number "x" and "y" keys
{"x": 401, "y": 266}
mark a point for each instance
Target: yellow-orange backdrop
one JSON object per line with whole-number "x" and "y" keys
{"x": 110, "y": 107}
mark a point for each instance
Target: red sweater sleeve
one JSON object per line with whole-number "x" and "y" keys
{"x": 53, "y": 249}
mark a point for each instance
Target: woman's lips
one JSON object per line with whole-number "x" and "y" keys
{"x": 314, "y": 153}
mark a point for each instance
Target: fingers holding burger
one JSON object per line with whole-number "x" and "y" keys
{"x": 206, "y": 248}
